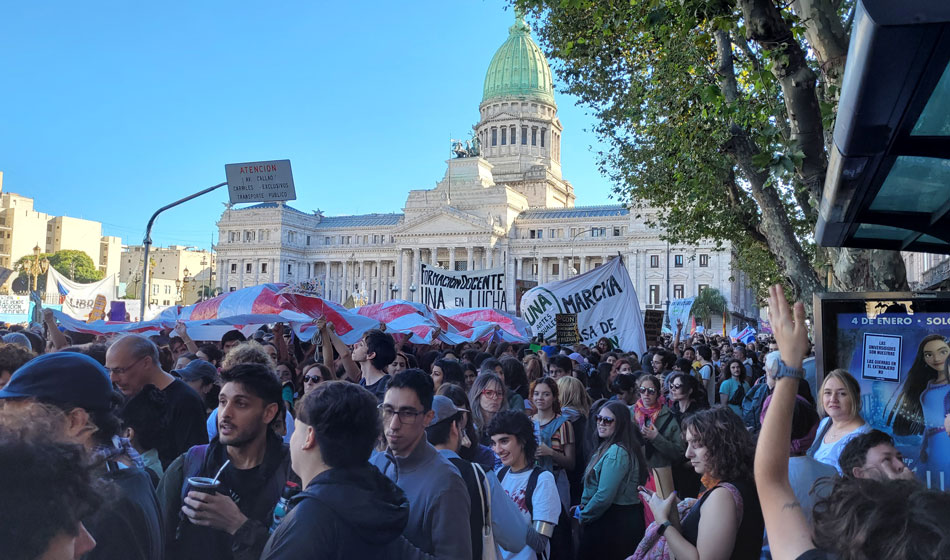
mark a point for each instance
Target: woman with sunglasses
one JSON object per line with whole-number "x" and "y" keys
{"x": 488, "y": 399}
{"x": 313, "y": 375}
{"x": 664, "y": 439}
{"x": 611, "y": 512}
{"x": 686, "y": 397}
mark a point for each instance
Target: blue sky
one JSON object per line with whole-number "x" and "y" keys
{"x": 110, "y": 110}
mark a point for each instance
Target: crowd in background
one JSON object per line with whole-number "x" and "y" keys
{"x": 268, "y": 446}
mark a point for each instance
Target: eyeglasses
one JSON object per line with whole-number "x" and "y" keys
{"x": 406, "y": 415}
{"x": 121, "y": 370}
{"x": 647, "y": 391}
{"x": 605, "y": 420}
{"x": 312, "y": 379}
{"x": 676, "y": 387}
{"x": 492, "y": 394}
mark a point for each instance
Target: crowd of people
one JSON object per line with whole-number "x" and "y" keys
{"x": 159, "y": 447}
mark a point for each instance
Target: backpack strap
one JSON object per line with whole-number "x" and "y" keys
{"x": 193, "y": 461}
{"x": 485, "y": 495}
{"x": 502, "y": 473}
{"x": 529, "y": 489}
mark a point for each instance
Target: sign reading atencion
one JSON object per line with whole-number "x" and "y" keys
{"x": 260, "y": 181}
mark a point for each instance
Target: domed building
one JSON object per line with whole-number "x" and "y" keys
{"x": 502, "y": 204}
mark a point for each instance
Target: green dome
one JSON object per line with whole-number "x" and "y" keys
{"x": 519, "y": 68}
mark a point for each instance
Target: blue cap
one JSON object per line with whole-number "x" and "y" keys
{"x": 197, "y": 369}
{"x": 64, "y": 378}
{"x": 444, "y": 409}
{"x": 18, "y": 338}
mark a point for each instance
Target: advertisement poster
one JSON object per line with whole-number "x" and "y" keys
{"x": 603, "y": 299}
{"x": 445, "y": 289}
{"x": 900, "y": 362}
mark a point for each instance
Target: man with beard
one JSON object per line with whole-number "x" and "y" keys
{"x": 232, "y": 522}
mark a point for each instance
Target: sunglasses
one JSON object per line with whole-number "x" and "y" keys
{"x": 311, "y": 379}
{"x": 604, "y": 420}
{"x": 647, "y": 391}
{"x": 676, "y": 387}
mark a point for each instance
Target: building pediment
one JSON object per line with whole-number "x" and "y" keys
{"x": 446, "y": 221}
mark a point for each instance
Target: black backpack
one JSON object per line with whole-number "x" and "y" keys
{"x": 738, "y": 396}
{"x": 529, "y": 489}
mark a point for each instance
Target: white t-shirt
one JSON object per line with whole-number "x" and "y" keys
{"x": 544, "y": 501}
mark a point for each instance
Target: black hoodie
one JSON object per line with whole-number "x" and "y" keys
{"x": 344, "y": 513}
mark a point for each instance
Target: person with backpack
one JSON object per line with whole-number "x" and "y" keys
{"x": 707, "y": 371}
{"x": 252, "y": 464}
{"x": 734, "y": 389}
{"x": 531, "y": 488}
{"x": 610, "y": 511}
{"x": 495, "y": 519}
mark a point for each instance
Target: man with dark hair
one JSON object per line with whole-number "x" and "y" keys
{"x": 508, "y": 526}
{"x": 439, "y": 504}
{"x": 12, "y": 356}
{"x": 349, "y": 509}
{"x": 873, "y": 455}
{"x": 374, "y": 351}
{"x": 130, "y": 524}
{"x": 232, "y": 522}
{"x": 559, "y": 366}
{"x": 133, "y": 363}
{"x": 47, "y": 490}
{"x": 231, "y": 339}
{"x": 707, "y": 371}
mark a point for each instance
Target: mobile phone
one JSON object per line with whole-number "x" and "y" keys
{"x": 647, "y": 422}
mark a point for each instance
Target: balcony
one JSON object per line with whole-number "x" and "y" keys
{"x": 936, "y": 276}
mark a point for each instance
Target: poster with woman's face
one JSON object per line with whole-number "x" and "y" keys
{"x": 900, "y": 359}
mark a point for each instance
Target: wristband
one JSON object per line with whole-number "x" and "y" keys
{"x": 544, "y": 528}
{"x": 786, "y": 371}
{"x": 663, "y": 527}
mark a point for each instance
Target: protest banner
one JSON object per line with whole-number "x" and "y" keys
{"x": 566, "y": 328}
{"x": 78, "y": 299}
{"x": 652, "y": 325}
{"x": 603, "y": 299}
{"x": 15, "y": 309}
{"x": 679, "y": 311}
{"x": 446, "y": 289}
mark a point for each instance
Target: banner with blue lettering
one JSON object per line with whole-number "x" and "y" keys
{"x": 603, "y": 299}
{"x": 679, "y": 311}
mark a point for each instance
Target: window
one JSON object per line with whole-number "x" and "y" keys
{"x": 233, "y": 268}
{"x": 291, "y": 237}
{"x": 308, "y": 240}
{"x": 654, "y": 261}
{"x": 532, "y": 234}
{"x": 504, "y": 136}
{"x": 524, "y": 136}
{"x": 617, "y": 231}
{"x": 678, "y": 261}
{"x": 542, "y": 137}
{"x": 154, "y": 289}
{"x": 598, "y": 232}
{"x": 248, "y": 236}
{"x": 703, "y": 261}
{"x": 555, "y": 268}
{"x": 290, "y": 269}
{"x": 534, "y": 136}
{"x": 248, "y": 268}
{"x": 512, "y": 134}
{"x": 678, "y": 291}
{"x": 494, "y": 137}
{"x": 702, "y": 288}
{"x": 654, "y": 294}
{"x": 232, "y": 289}
{"x": 263, "y": 268}
{"x": 534, "y": 269}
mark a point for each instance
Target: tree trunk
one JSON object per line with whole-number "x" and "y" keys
{"x": 826, "y": 35}
{"x": 867, "y": 270}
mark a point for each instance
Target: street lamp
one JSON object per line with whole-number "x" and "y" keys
{"x": 37, "y": 266}
{"x": 393, "y": 288}
{"x": 573, "y": 237}
{"x": 412, "y": 292}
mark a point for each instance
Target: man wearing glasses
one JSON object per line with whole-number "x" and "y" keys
{"x": 133, "y": 363}
{"x": 439, "y": 504}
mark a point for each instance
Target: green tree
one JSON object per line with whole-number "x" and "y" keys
{"x": 708, "y": 304}
{"x": 75, "y": 265}
{"x": 718, "y": 115}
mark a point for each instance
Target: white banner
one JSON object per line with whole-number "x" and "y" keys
{"x": 604, "y": 300}
{"x": 679, "y": 311}
{"x": 78, "y": 299}
{"x": 15, "y": 305}
{"x": 446, "y": 289}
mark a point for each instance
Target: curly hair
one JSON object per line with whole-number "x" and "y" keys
{"x": 515, "y": 423}
{"x": 729, "y": 445}
{"x": 552, "y": 385}
{"x": 12, "y": 356}
{"x": 862, "y": 519}
{"x": 52, "y": 484}
{"x": 248, "y": 352}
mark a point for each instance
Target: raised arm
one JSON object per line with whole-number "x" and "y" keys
{"x": 353, "y": 371}
{"x": 55, "y": 335}
{"x": 282, "y": 354}
{"x": 785, "y": 523}
{"x": 182, "y": 331}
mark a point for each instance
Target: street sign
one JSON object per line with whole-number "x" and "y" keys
{"x": 260, "y": 181}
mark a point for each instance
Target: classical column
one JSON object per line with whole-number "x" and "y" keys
{"x": 400, "y": 273}
{"x": 415, "y": 271}
{"x": 344, "y": 288}
{"x": 326, "y": 280}
{"x": 223, "y": 269}
{"x": 469, "y": 258}
{"x": 379, "y": 282}
{"x": 451, "y": 258}
{"x": 490, "y": 257}
{"x": 240, "y": 275}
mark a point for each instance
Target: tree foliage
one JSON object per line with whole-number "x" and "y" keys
{"x": 708, "y": 304}
{"x": 717, "y": 115}
{"x": 73, "y": 264}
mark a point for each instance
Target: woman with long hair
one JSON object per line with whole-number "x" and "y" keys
{"x": 656, "y": 422}
{"x": 686, "y": 397}
{"x": 906, "y": 413}
{"x": 470, "y": 449}
{"x": 532, "y": 367}
{"x": 610, "y": 510}
{"x": 575, "y": 405}
{"x": 556, "y": 448}
{"x": 487, "y": 396}
{"x": 935, "y": 448}
{"x": 726, "y": 521}
{"x": 839, "y": 404}
{"x": 446, "y": 371}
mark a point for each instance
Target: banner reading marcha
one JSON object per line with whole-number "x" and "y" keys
{"x": 78, "y": 299}
{"x": 446, "y": 289}
{"x": 604, "y": 300}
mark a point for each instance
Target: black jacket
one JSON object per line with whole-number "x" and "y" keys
{"x": 344, "y": 513}
{"x": 130, "y": 523}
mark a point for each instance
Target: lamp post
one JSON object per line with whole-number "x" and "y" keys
{"x": 668, "y": 284}
{"x": 393, "y": 289}
{"x": 412, "y": 292}
{"x": 573, "y": 237}
{"x": 37, "y": 266}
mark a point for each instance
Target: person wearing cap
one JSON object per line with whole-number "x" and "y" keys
{"x": 133, "y": 363}
{"x": 348, "y": 508}
{"x": 509, "y": 528}
{"x": 19, "y": 339}
{"x": 130, "y": 525}
{"x": 200, "y": 376}
{"x": 439, "y": 505}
